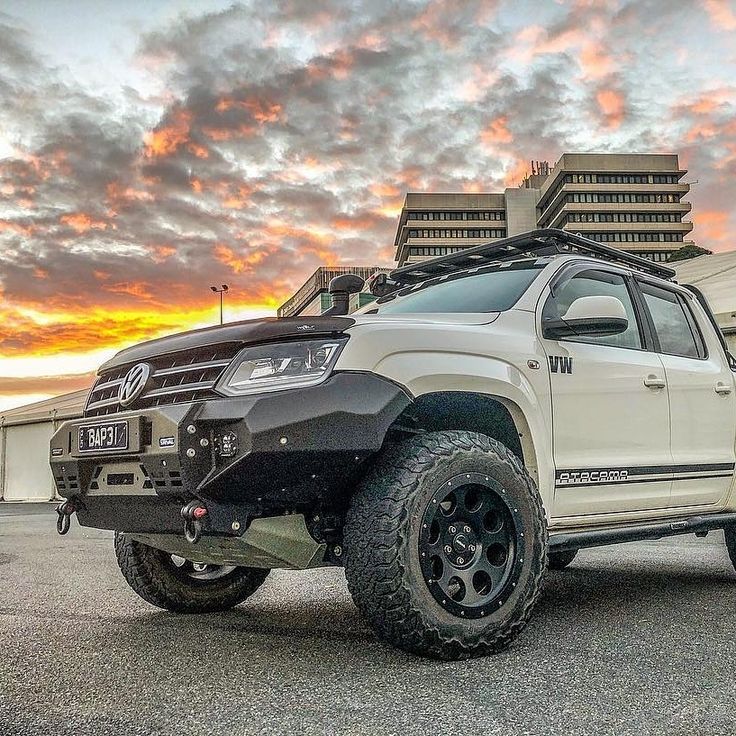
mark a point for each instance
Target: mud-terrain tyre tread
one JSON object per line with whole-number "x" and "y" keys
{"x": 152, "y": 579}
{"x": 730, "y": 532}
{"x": 377, "y": 532}
{"x": 560, "y": 560}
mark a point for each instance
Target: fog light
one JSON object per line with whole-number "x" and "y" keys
{"x": 226, "y": 445}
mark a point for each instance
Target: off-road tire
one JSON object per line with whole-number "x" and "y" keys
{"x": 730, "y": 532}
{"x": 560, "y": 560}
{"x": 381, "y": 536}
{"x": 157, "y": 581}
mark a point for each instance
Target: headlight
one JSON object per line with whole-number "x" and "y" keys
{"x": 280, "y": 366}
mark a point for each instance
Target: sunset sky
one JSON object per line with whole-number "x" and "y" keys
{"x": 150, "y": 149}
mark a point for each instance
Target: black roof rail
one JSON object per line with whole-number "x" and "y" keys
{"x": 544, "y": 242}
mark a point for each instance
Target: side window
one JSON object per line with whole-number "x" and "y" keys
{"x": 673, "y": 322}
{"x": 592, "y": 282}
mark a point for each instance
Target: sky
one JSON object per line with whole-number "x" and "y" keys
{"x": 149, "y": 149}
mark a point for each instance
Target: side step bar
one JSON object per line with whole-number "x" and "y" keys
{"x": 699, "y": 525}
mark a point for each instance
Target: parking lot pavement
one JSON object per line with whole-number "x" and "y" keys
{"x": 635, "y": 639}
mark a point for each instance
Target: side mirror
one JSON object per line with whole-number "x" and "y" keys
{"x": 595, "y": 316}
{"x": 341, "y": 287}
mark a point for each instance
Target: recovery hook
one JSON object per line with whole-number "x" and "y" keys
{"x": 64, "y": 513}
{"x": 193, "y": 513}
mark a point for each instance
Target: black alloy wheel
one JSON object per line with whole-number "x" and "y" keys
{"x": 470, "y": 552}
{"x": 196, "y": 570}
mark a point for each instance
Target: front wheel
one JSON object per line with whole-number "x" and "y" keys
{"x": 171, "y": 582}
{"x": 446, "y": 545}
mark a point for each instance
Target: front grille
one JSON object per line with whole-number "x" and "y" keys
{"x": 178, "y": 377}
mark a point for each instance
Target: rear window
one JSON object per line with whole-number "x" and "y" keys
{"x": 676, "y": 329}
{"x": 490, "y": 291}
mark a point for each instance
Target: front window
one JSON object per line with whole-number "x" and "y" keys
{"x": 592, "y": 282}
{"x": 495, "y": 290}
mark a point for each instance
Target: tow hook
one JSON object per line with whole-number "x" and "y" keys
{"x": 193, "y": 513}
{"x": 64, "y": 513}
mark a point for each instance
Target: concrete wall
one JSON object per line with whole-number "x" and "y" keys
{"x": 521, "y": 210}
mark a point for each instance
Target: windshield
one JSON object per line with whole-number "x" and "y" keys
{"x": 491, "y": 291}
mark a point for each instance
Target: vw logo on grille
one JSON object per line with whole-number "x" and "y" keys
{"x": 134, "y": 383}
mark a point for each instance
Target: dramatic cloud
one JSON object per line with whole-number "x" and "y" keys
{"x": 276, "y": 137}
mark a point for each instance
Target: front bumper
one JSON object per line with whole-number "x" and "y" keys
{"x": 289, "y": 449}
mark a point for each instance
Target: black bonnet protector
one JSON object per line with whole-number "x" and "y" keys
{"x": 247, "y": 333}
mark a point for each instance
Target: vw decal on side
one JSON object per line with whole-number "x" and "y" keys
{"x": 560, "y": 364}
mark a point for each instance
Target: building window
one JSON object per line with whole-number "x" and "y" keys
{"x": 636, "y": 237}
{"x": 622, "y": 198}
{"x": 460, "y": 233}
{"x": 624, "y": 217}
{"x": 497, "y": 215}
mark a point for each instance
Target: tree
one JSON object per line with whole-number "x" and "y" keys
{"x": 689, "y": 251}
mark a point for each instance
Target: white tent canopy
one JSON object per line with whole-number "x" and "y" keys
{"x": 715, "y": 276}
{"x": 25, "y": 432}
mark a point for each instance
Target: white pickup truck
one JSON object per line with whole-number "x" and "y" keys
{"x": 493, "y": 412}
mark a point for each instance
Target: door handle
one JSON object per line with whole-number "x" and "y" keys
{"x": 723, "y": 388}
{"x": 652, "y": 381}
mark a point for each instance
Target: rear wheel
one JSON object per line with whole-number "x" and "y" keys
{"x": 560, "y": 560}
{"x": 176, "y": 584}
{"x": 730, "y": 532}
{"x": 446, "y": 545}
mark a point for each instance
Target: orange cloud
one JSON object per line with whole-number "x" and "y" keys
{"x": 721, "y": 14}
{"x": 496, "y": 132}
{"x": 82, "y": 223}
{"x": 239, "y": 198}
{"x": 437, "y": 19}
{"x": 226, "y": 134}
{"x": 197, "y": 150}
{"x": 536, "y": 41}
{"x": 384, "y": 190}
{"x": 11, "y": 226}
{"x": 337, "y": 65}
{"x": 707, "y": 102}
{"x": 167, "y": 139}
{"x": 612, "y": 107}
{"x": 515, "y": 173}
{"x": 162, "y": 252}
{"x": 594, "y": 62}
{"x": 711, "y": 225}
{"x": 262, "y": 111}
{"x": 701, "y": 131}
{"x": 362, "y": 222}
{"x": 119, "y": 196}
{"x": 239, "y": 263}
{"x": 480, "y": 81}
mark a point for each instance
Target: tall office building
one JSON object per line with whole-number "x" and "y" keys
{"x": 631, "y": 201}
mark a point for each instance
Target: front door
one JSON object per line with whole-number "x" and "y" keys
{"x": 610, "y": 411}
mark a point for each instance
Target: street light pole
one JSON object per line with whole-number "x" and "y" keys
{"x": 221, "y": 291}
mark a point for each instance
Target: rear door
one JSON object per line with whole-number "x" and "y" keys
{"x": 701, "y": 393}
{"x": 609, "y": 406}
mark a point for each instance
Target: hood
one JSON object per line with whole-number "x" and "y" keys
{"x": 241, "y": 333}
{"x": 434, "y": 318}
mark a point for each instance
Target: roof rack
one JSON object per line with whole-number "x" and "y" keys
{"x": 549, "y": 241}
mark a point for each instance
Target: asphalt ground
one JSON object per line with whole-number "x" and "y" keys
{"x": 633, "y": 639}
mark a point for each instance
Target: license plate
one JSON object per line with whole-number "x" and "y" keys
{"x": 102, "y": 437}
